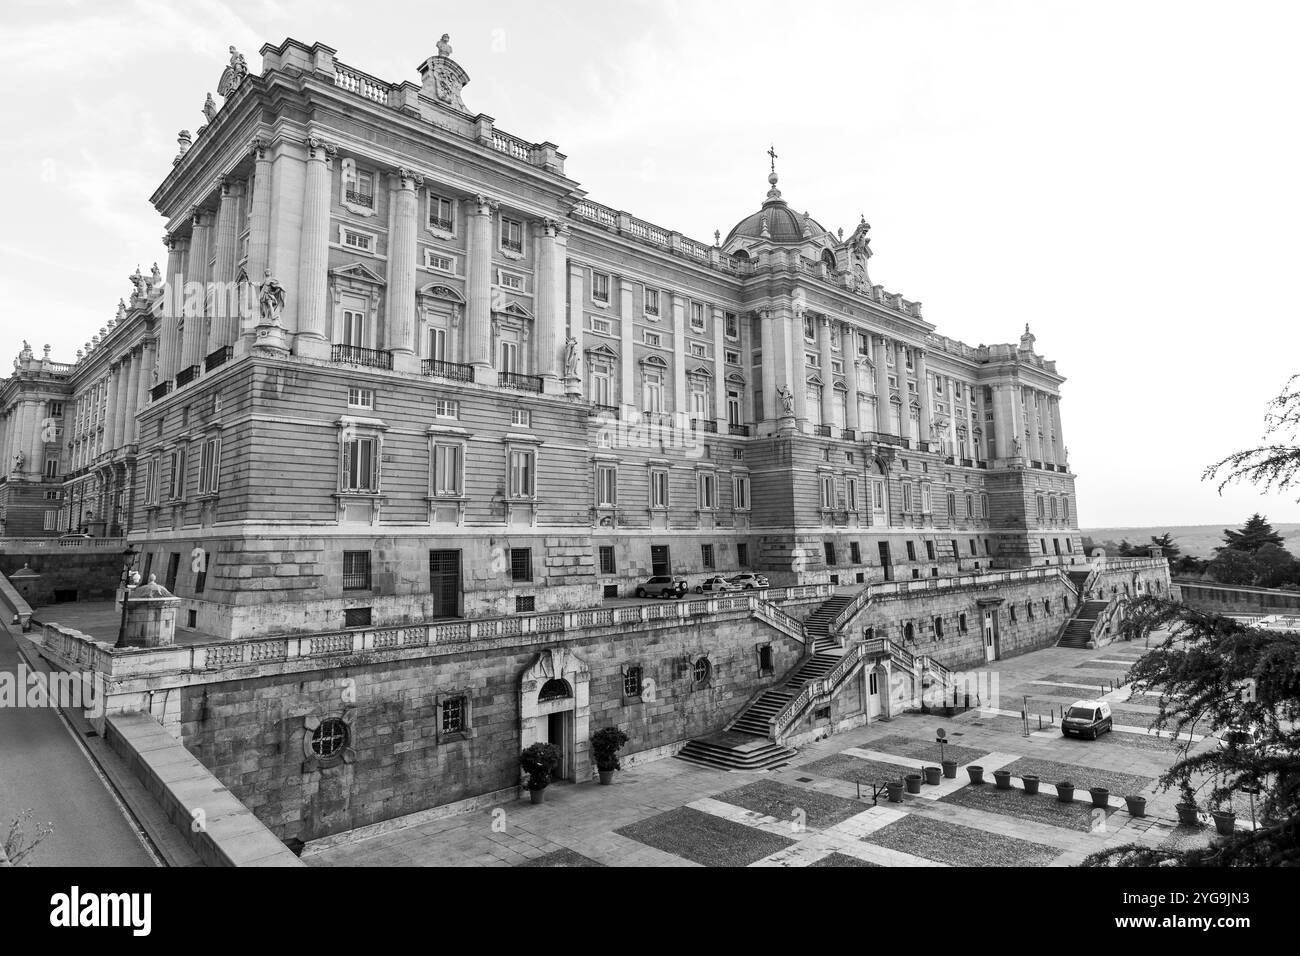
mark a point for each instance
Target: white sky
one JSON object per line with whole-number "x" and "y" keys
{"x": 1121, "y": 175}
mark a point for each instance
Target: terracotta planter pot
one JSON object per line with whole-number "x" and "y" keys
{"x": 538, "y": 796}
{"x": 1100, "y": 797}
{"x": 1031, "y": 783}
{"x": 606, "y": 777}
{"x": 1225, "y": 822}
{"x": 932, "y": 775}
{"x": 976, "y": 773}
{"x": 1137, "y": 806}
{"x": 1003, "y": 779}
{"x": 913, "y": 781}
{"x": 895, "y": 791}
{"x": 950, "y": 769}
{"x": 1187, "y": 815}
{"x": 1065, "y": 792}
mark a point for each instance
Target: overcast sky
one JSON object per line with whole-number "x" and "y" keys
{"x": 1121, "y": 176}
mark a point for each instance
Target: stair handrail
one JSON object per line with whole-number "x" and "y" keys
{"x": 1065, "y": 625}
{"x": 883, "y": 646}
{"x": 816, "y": 690}
{"x": 1113, "y": 609}
{"x": 849, "y": 611}
{"x": 753, "y": 699}
{"x": 769, "y": 612}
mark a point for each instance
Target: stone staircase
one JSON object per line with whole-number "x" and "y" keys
{"x": 1079, "y": 579}
{"x": 818, "y": 623}
{"x": 1079, "y": 630}
{"x": 746, "y": 742}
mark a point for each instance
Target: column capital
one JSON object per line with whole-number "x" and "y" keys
{"x": 408, "y": 179}
{"x": 319, "y": 150}
{"x": 231, "y": 188}
{"x": 197, "y": 217}
{"x": 257, "y": 148}
{"x": 485, "y": 205}
{"x": 555, "y": 228}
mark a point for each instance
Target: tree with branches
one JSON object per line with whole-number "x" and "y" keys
{"x": 1214, "y": 673}
{"x": 1274, "y": 465}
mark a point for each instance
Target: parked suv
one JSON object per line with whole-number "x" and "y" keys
{"x": 714, "y": 584}
{"x": 1086, "y": 718}
{"x": 662, "y": 585}
{"x": 748, "y": 581}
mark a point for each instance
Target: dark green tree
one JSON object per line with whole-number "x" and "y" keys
{"x": 1213, "y": 673}
{"x": 1234, "y": 567}
{"x": 1275, "y": 567}
{"x": 1165, "y": 543}
{"x": 1254, "y": 534}
{"x": 1274, "y": 466}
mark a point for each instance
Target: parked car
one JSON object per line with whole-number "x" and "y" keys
{"x": 747, "y": 581}
{"x": 1250, "y": 737}
{"x": 715, "y": 584}
{"x": 1086, "y": 718}
{"x": 663, "y": 585}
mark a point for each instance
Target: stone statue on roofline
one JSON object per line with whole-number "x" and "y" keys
{"x": 444, "y": 45}
{"x": 209, "y": 108}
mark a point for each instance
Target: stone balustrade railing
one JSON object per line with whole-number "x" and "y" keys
{"x": 82, "y": 651}
{"x": 20, "y": 545}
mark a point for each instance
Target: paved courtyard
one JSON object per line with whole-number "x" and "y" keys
{"x": 819, "y": 811}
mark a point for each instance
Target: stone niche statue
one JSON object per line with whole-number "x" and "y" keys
{"x": 19, "y": 459}
{"x": 787, "y": 399}
{"x": 570, "y": 357}
{"x": 271, "y": 300}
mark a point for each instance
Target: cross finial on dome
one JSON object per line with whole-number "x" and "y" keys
{"x": 771, "y": 153}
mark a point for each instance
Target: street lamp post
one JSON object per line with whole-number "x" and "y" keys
{"x": 128, "y": 564}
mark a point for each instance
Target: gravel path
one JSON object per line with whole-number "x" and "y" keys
{"x": 703, "y": 838}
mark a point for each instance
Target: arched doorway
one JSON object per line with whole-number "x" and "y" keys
{"x": 554, "y": 707}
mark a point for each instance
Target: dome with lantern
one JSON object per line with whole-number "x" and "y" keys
{"x": 776, "y": 221}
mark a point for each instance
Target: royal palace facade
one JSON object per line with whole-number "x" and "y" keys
{"x": 407, "y": 415}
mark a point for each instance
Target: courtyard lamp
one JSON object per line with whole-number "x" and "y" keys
{"x": 128, "y": 564}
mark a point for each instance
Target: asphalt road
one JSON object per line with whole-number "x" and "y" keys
{"x": 43, "y": 767}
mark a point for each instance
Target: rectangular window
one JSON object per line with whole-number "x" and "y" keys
{"x": 512, "y": 234}
{"x": 151, "y": 480}
{"x": 855, "y": 553}
{"x": 52, "y": 468}
{"x": 911, "y": 551}
{"x": 446, "y": 408}
{"x": 740, "y": 492}
{"x": 697, "y": 316}
{"x": 510, "y": 280}
{"x": 828, "y": 492}
{"x": 600, "y": 286}
{"x": 356, "y": 617}
{"x": 731, "y": 356}
{"x": 699, "y": 350}
{"x": 521, "y": 564}
{"x": 652, "y": 302}
{"x": 176, "y": 480}
{"x": 606, "y": 486}
{"x": 706, "y": 557}
{"x": 173, "y": 566}
{"x": 742, "y": 555}
{"x": 829, "y": 547}
{"x": 659, "y": 562}
{"x": 354, "y": 329}
{"x": 201, "y": 573}
{"x": 708, "y": 492}
{"x": 521, "y": 417}
{"x": 439, "y": 262}
{"x": 525, "y": 604}
{"x": 607, "y": 565}
{"x": 446, "y": 469}
{"x": 602, "y": 326}
{"x": 658, "y": 489}
{"x": 925, "y": 499}
{"x": 56, "y": 409}
{"x": 358, "y": 240}
{"x": 356, "y": 570}
{"x": 929, "y": 550}
{"x": 360, "y": 465}
{"x": 361, "y": 397}
{"x": 453, "y": 715}
{"x": 731, "y": 326}
{"x": 522, "y": 474}
{"x": 851, "y": 493}
{"x": 442, "y": 213}
{"x": 907, "y": 497}
{"x": 210, "y": 466}
{"x": 652, "y": 338}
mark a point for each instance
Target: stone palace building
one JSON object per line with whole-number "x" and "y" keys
{"x": 405, "y": 406}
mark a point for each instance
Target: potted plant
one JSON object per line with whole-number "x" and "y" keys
{"x": 1031, "y": 783}
{"x": 1065, "y": 792}
{"x": 913, "y": 781}
{"x": 1100, "y": 797}
{"x": 1137, "y": 806}
{"x": 932, "y": 775}
{"x": 539, "y": 761}
{"x": 976, "y": 773}
{"x": 1002, "y": 778}
{"x": 605, "y": 745}
{"x": 950, "y": 769}
{"x": 1225, "y": 820}
{"x": 1188, "y": 815}
{"x": 895, "y": 788}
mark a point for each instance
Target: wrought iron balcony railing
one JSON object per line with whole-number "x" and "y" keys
{"x": 519, "y": 381}
{"x": 443, "y": 369}
{"x": 741, "y": 430}
{"x": 186, "y": 375}
{"x": 355, "y": 355}
{"x": 218, "y": 358}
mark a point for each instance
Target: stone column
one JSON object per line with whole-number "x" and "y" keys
{"x": 1060, "y": 436}
{"x": 1032, "y": 423}
{"x": 883, "y": 423}
{"x": 950, "y": 397}
{"x": 110, "y": 409}
{"x": 169, "y": 328}
{"x": 767, "y": 348}
{"x": 680, "y": 404}
{"x": 225, "y": 319}
{"x": 135, "y": 393}
{"x": 259, "y": 236}
{"x": 478, "y": 286}
{"x": 1003, "y": 422}
{"x": 549, "y": 302}
{"x": 720, "y": 371}
{"x": 627, "y": 383}
{"x": 849, "y": 351}
{"x": 796, "y": 366}
{"x": 195, "y": 335}
{"x": 923, "y": 386}
{"x": 824, "y": 333}
{"x": 399, "y": 311}
{"x": 312, "y": 338}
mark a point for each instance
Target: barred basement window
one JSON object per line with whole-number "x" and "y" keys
{"x": 632, "y": 681}
{"x": 356, "y": 570}
{"x": 453, "y": 715}
{"x": 330, "y": 737}
{"x": 524, "y": 605}
{"x": 356, "y": 617}
{"x": 702, "y": 670}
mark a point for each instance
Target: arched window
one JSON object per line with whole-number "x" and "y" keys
{"x": 554, "y": 689}
{"x": 828, "y": 258}
{"x": 909, "y": 632}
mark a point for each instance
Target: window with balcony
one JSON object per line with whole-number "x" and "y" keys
{"x": 600, "y": 287}
{"x": 697, "y": 317}
{"x": 652, "y": 302}
{"x": 512, "y": 235}
{"x": 442, "y": 214}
